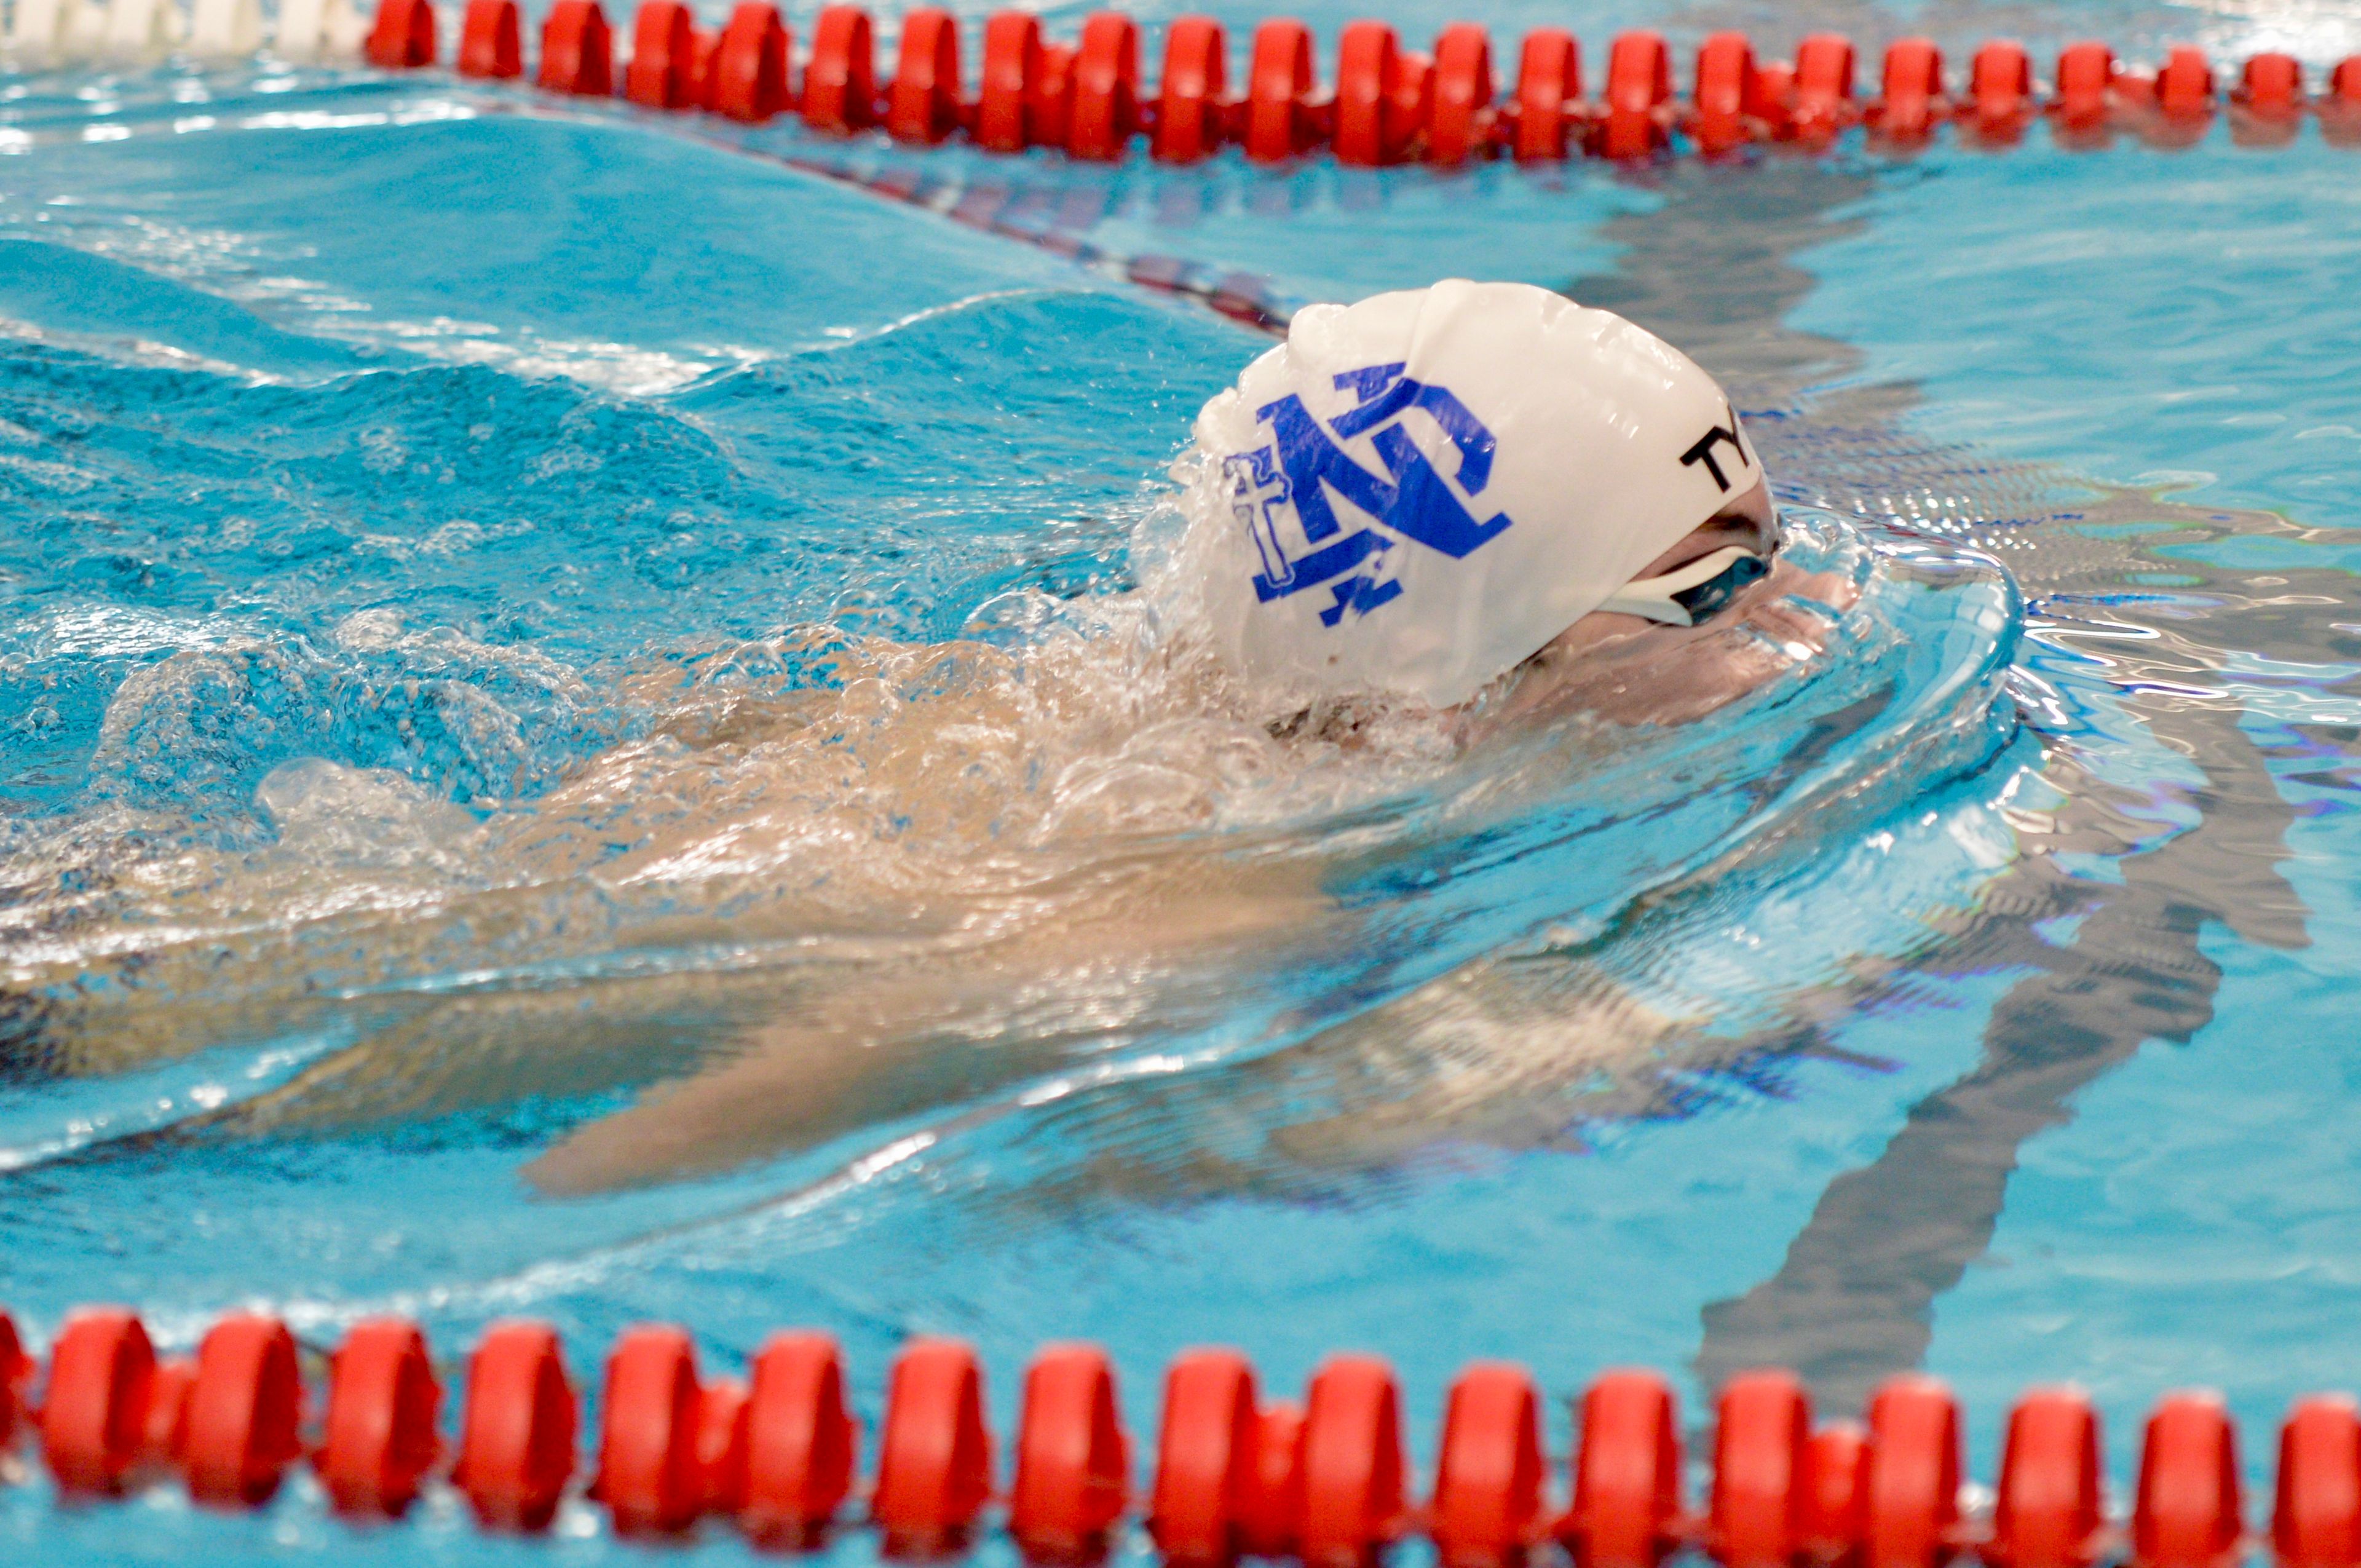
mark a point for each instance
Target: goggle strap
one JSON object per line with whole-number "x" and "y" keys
{"x": 1652, "y": 598}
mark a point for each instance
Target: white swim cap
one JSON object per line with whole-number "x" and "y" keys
{"x": 1418, "y": 491}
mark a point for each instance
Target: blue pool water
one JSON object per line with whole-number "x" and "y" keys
{"x": 528, "y": 639}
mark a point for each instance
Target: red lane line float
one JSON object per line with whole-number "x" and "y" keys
{"x": 840, "y": 78}
{"x": 922, "y": 105}
{"x": 168, "y": 1408}
{"x": 1053, "y": 100}
{"x": 1278, "y": 122}
{"x": 1768, "y": 89}
{"x": 1835, "y": 1492}
{"x": 1352, "y": 1462}
{"x": 1411, "y": 104}
{"x": 17, "y": 1370}
{"x": 1549, "y": 94}
{"x": 239, "y": 1422}
{"x": 1189, "y": 102}
{"x": 95, "y": 1418}
{"x": 1206, "y": 1456}
{"x": 1760, "y": 1447}
{"x": 1487, "y": 1479}
{"x": 750, "y": 64}
{"x": 2272, "y": 85}
{"x": 1012, "y": 76}
{"x": 2316, "y": 1517}
{"x": 1726, "y": 93}
{"x": 2184, "y": 86}
{"x": 516, "y": 1445}
{"x": 1324, "y": 1484}
{"x": 2175, "y": 107}
{"x": 2270, "y": 100}
{"x": 2340, "y": 106}
{"x": 1368, "y": 76}
{"x": 2000, "y": 90}
{"x": 577, "y": 53}
{"x": 379, "y": 1438}
{"x": 1390, "y": 104}
{"x": 1073, "y": 1461}
{"x": 800, "y": 1442}
{"x": 1775, "y": 97}
{"x": 2187, "y": 1512}
{"x": 1459, "y": 120}
{"x": 1270, "y": 1520}
{"x": 934, "y": 1461}
{"x": 1823, "y": 102}
{"x": 1910, "y": 1512}
{"x": 721, "y": 1420}
{"x": 2267, "y": 104}
{"x": 1627, "y": 1475}
{"x": 490, "y": 40}
{"x": 1911, "y": 96}
{"x": 2086, "y": 85}
{"x": 704, "y": 43}
{"x": 1103, "y": 105}
{"x": 2048, "y": 1512}
{"x": 648, "y": 1474}
{"x": 1638, "y": 88}
{"x": 402, "y": 37}
{"x": 662, "y": 73}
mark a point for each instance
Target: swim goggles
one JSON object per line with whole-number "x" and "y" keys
{"x": 1694, "y": 593}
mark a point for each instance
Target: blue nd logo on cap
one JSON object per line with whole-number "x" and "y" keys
{"x": 1363, "y": 529}
{"x": 1280, "y": 490}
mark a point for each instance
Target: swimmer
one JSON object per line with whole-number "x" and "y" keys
{"x": 1426, "y": 522}
{"x": 1482, "y": 503}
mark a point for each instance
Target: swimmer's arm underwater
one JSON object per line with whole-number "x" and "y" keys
{"x": 894, "y": 1042}
{"x": 907, "y": 1038}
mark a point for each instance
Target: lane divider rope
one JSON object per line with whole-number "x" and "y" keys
{"x": 1325, "y": 1481}
{"x": 1384, "y": 103}
{"x": 56, "y": 32}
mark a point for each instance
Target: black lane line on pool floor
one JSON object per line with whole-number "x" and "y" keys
{"x": 1028, "y": 213}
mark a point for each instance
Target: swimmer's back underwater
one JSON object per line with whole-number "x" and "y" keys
{"x": 1423, "y": 524}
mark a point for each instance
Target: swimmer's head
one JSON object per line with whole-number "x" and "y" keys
{"x": 1419, "y": 492}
